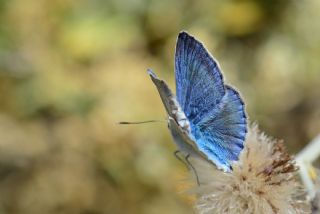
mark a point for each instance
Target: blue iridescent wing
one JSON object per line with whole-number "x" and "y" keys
{"x": 199, "y": 82}
{"x": 221, "y": 134}
{"x": 215, "y": 111}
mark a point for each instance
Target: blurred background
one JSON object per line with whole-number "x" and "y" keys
{"x": 70, "y": 70}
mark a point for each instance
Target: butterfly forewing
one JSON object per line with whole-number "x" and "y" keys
{"x": 199, "y": 82}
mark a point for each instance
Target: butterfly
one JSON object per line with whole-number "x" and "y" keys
{"x": 206, "y": 117}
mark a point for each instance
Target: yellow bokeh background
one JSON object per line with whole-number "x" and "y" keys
{"x": 70, "y": 70}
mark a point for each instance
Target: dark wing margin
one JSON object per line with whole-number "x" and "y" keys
{"x": 199, "y": 82}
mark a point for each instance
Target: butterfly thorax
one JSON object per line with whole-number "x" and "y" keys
{"x": 178, "y": 115}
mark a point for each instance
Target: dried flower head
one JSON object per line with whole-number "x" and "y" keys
{"x": 262, "y": 181}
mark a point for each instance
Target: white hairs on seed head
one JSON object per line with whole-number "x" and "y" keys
{"x": 262, "y": 181}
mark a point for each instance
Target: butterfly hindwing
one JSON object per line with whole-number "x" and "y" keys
{"x": 221, "y": 135}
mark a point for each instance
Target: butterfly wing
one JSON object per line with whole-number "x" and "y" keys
{"x": 215, "y": 111}
{"x": 199, "y": 82}
{"x": 221, "y": 134}
{"x": 167, "y": 97}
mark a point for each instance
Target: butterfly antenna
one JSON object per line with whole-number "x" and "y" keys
{"x": 140, "y": 122}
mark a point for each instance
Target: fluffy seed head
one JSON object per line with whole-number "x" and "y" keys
{"x": 262, "y": 181}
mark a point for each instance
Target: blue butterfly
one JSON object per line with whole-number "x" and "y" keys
{"x": 206, "y": 117}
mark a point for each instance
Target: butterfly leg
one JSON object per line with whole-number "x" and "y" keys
{"x": 179, "y": 158}
{"x": 192, "y": 167}
{"x": 188, "y": 164}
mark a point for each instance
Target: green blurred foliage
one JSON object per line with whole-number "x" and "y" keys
{"x": 69, "y": 70}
